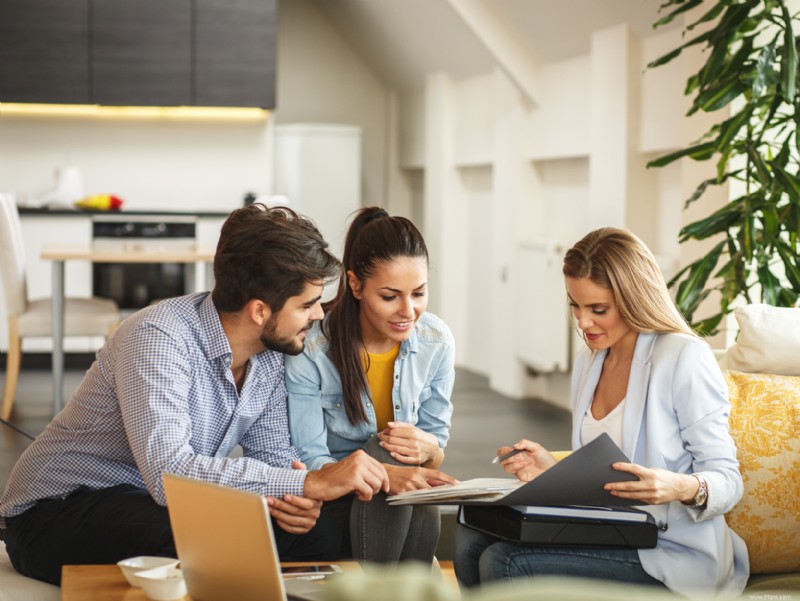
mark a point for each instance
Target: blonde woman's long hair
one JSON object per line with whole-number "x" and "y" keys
{"x": 617, "y": 260}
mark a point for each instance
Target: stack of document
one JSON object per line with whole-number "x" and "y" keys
{"x": 619, "y": 514}
{"x": 477, "y": 490}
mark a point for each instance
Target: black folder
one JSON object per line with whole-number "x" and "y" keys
{"x": 514, "y": 524}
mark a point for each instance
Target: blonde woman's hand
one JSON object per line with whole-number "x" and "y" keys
{"x": 533, "y": 460}
{"x": 654, "y": 485}
{"x": 402, "y": 478}
{"x": 408, "y": 444}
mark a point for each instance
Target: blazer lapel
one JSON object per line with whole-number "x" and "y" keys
{"x": 586, "y": 389}
{"x": 636, "y": 397}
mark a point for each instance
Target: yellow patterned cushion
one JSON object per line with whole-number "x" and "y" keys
{"x": 765, "y": 424}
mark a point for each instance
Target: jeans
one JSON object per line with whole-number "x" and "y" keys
{"x": 107, "y": 525}
{"x": 480, "y": 558}
{"x": 384, "y": 533}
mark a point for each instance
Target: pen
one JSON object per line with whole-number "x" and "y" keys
{"x": 505, "y": 456}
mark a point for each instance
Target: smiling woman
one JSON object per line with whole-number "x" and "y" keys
{"x": 654, "y": 387}
{"x": 377, "y": 375}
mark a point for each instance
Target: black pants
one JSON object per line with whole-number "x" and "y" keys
{"x": 107, "y": 525}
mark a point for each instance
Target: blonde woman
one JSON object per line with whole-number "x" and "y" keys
{"x": 650, "y": 383}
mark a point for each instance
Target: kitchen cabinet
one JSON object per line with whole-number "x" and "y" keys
{"x": 44, "y": 50}
{"x": 139, "y": 52}
{"x": 235, "y": 52}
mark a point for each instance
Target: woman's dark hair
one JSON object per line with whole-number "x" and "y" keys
{"x": 269, "y": 254}
{"x": 374, "y": 237}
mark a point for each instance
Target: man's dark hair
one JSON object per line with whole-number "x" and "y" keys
{"x": 268, "y": 254}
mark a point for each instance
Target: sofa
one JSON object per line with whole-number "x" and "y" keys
{"x": 763, "y": 373}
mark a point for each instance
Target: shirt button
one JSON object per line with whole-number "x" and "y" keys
{"x": 397, "y": 376}
{"x": 372, "y": 436}
{"x": 338, "y": 405}
{"x": 227, "y": 360}
{"x": 397, "y": 406}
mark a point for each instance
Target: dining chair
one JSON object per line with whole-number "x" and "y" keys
{"x": 33, "y": 318}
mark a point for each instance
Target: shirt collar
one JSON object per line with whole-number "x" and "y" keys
{"x": 217, "y": 344}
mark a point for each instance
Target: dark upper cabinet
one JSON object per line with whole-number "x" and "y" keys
{"x": 44, "y": 51}
{"x": 235, "y": 52}
{"x": 141, "y": 52}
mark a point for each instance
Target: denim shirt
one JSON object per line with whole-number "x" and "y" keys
{"x": 424, "y": 374}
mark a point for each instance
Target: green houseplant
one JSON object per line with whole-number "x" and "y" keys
{"x": 752, "y": 66}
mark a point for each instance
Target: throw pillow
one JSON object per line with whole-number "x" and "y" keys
{"x": 765, "y": 425}
{"x": 768, "y": 342}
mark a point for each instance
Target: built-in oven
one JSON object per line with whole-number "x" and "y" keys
{"x": 136, "y": 285}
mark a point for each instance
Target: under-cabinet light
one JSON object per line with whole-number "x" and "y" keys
{"x": 136, "y": 112}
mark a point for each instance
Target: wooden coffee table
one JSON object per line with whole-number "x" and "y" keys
{"x": 106, "y": 583}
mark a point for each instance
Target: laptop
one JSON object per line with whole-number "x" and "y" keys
{"x": 226, "y": 546}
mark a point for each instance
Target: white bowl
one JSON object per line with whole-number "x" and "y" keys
{"x": 163, "y": 584}
{"x": 132, "y": 566}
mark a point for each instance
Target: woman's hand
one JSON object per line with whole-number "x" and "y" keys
{"x": 402, "y": 479}
{"x": 408, "y": 444}
{"x": 654, "y": 486}
{"x": 527, "y": 465}
{"x": 296, "y": 515}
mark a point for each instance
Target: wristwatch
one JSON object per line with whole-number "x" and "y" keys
{"x": 701, "y": 498}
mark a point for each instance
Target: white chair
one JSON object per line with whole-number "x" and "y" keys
{"x": 29, "y": 318}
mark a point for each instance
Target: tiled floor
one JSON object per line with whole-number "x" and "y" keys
{"x": 482, "y": 421}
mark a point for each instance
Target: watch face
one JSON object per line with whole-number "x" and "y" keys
{"x": 702, "y": 494}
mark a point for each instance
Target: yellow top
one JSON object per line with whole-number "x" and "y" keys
{"x": 379, "y": 379}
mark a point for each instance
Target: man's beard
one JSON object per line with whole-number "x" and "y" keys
{"x": 273, "y": 342}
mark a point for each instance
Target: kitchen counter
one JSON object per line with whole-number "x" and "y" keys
{"x": 67, "y": 212}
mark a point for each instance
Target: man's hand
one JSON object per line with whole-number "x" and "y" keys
{"x": 403, "y": 478}
{"x": 296, "y": 515}
{"x": 408, "y": 444}
{"x": 527, "y": 465}
{"x": 358, "y": 473}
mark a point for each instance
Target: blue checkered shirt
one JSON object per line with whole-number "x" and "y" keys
{"x": 160, "y": 397}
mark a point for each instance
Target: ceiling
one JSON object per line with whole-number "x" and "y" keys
{"x": 403, "y": 40}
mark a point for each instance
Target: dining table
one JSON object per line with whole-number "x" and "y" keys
{"x": 132, "y": 253}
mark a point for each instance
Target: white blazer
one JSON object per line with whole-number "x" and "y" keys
{"x": 676, "y": 418}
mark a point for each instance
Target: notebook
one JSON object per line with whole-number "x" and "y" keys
{"x": 226, "y": 546}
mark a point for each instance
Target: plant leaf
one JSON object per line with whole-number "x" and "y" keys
{"x": 790, "y": 266}
{"x": 709, "y": 16}
{"x": 699, "y": 152}
{"x": 690, "y": 291}
{"x": 704, "y": 37}
{"x": 668, "y": 18}
{"x": 764, "y": 68}
{"x": 789, "y": 59}
{"x": 709, "y": 326}
{"x": 790, "y": 182}
{"x": 770, "y": 285}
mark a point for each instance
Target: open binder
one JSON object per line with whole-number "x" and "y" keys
{"x": 578, "y": 479}
{"x": 615, "y": 529}
{"x": 566, "y": 505}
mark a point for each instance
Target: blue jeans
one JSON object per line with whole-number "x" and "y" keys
{"x": 383, "y": 533}
{"x": 480, "y": 558}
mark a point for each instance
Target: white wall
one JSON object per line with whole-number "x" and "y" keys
{"x": 498, "y": 171}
